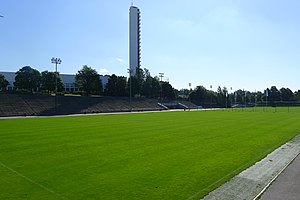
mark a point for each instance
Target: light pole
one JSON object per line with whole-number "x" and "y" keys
{"x": 56, "y": 61}
{"x": 235, "y": 97}
{"x": 231, "y": 95}
{"x": 161, "y": 75}
{"x": 190, "y": 85}
{"x": 211, "y": 97}
{"x": 245, "y": 98}
{"x": 255, "y": 99}
{"x": 226, "y": 95}
{"x": 130, "y": 71}
{"x": 267, "y": 94}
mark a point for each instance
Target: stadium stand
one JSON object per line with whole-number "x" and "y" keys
{"x": 44, "y": 105}
{"x": 179, "y": 104}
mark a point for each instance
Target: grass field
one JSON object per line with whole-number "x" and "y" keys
{"x": 168, "y": 155}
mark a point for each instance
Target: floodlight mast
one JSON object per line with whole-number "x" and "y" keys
{"x": 161, "y": 75}
{"x": 130, "y": 72}
{"x": 56, "y": 61}
{"x": 211, "y": 96}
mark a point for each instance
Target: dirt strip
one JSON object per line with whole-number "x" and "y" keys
{"x": 251, "y": 182}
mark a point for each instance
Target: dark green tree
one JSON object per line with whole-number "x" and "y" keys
{"x": 28, "y": 79}
{"x": 111, "y": 86}
{"x": 150, "y": 87}
{"x": 116, "y": 86}
{"x": 222, "y": 96}
{"x": 200, "y": 96}
{"x": 274, "y": 94}
{"x": 48, "y": 82}
{"x": 88, "y": 81}
{"x": 167, "y": 91}
{"x": 121, "y": 86}
{"x": 184, "y": 93}
{"x": 259, "y": 96}
{"x": 155, "y": 87}
{"x": 286, "y": 94}
{"x": 137, "y": 82}
{"x": 3, "y": 83}
{"x": 297, "y": 95}
{"x": 239, "y": 96}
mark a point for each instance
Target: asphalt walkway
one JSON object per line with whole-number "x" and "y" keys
{"x": 252, "y": 183}
{"x": 287, "y": 184}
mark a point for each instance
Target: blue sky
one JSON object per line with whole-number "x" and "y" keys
{"x": 243, "y": 44}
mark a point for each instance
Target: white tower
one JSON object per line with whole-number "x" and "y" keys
{"x": 134, "y": 39}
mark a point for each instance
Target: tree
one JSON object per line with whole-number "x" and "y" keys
{"x": 88, "y": 81}
{"x": 286, "y": 94}
{"x": 221, "y": 96}
{"x": 116, "y": 86}
{"x": 111, "y": 86}
{"x": 274, "y": 94}
{"x": 259, "y": 96}
{"x": 28, "y": 79}
{"x": 121, "y": 86}
{"x": 167, "y": 91}
{"x": 155, "y": 87}
{"x": 239, "y": 96}
{"x": 48, "y": 82}
{"x": 150, "y": 87}
{"x": 137, "y": 82}
{"x": 200, "y": 95}
{"x": 184, "y": 93}
{"x": 3, "y": 83}
{"x": 297, "y": 95}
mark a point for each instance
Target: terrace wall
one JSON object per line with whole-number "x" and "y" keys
{"x": 44, "y": 105}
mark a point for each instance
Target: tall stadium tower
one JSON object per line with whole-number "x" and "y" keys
{"x": 134, "y": 39}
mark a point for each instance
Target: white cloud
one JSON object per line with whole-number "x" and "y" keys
{"x": 103, "y": 71}
{"x": 120, "y": 60}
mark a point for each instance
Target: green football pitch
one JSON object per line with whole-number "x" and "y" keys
{"x": 164, "y": 155}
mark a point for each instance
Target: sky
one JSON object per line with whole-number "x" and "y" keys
{"x": 238, "y": 44}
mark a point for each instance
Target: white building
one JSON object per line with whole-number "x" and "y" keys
{"x": 134, "y": 39}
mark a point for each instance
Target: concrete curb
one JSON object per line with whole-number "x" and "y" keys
{"x": 252, "y": 182}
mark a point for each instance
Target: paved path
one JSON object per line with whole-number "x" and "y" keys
{"x": 251, "y": 183}
{"x": 287, "y": 185}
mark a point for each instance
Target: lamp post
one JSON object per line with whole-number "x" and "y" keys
{"x": 231, "y": 95}
{"x": 161, "y": 75}
{"x": 226, "y": 95}
{"x": 255, "y": 99}
{"x": 190, "y": 85}
{"x": 245, "y": 98}
{"x": 267, "y": 94}
{"x": 56, "y": 61}
{"x": 211, "y": 96}
{"x": 130, "y": 71}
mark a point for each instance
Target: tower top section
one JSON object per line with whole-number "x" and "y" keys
{"x": 134, "y": 39}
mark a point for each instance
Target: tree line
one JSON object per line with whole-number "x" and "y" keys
{"x": 88, "y": 82}
{"x": 225, "y": 98}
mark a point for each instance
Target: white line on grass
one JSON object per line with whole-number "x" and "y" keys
{"x": 32, "y": 181}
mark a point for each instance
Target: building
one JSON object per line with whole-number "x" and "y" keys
{"x": 10, "y": 77}
{"x": 67, "y": 79}
{"x": 134, "y": 39}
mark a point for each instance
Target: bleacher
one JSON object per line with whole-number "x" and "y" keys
{"x": 182, "y": 104}
{"x": 13, "y": 105}
{"x": 44, "y": 105}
